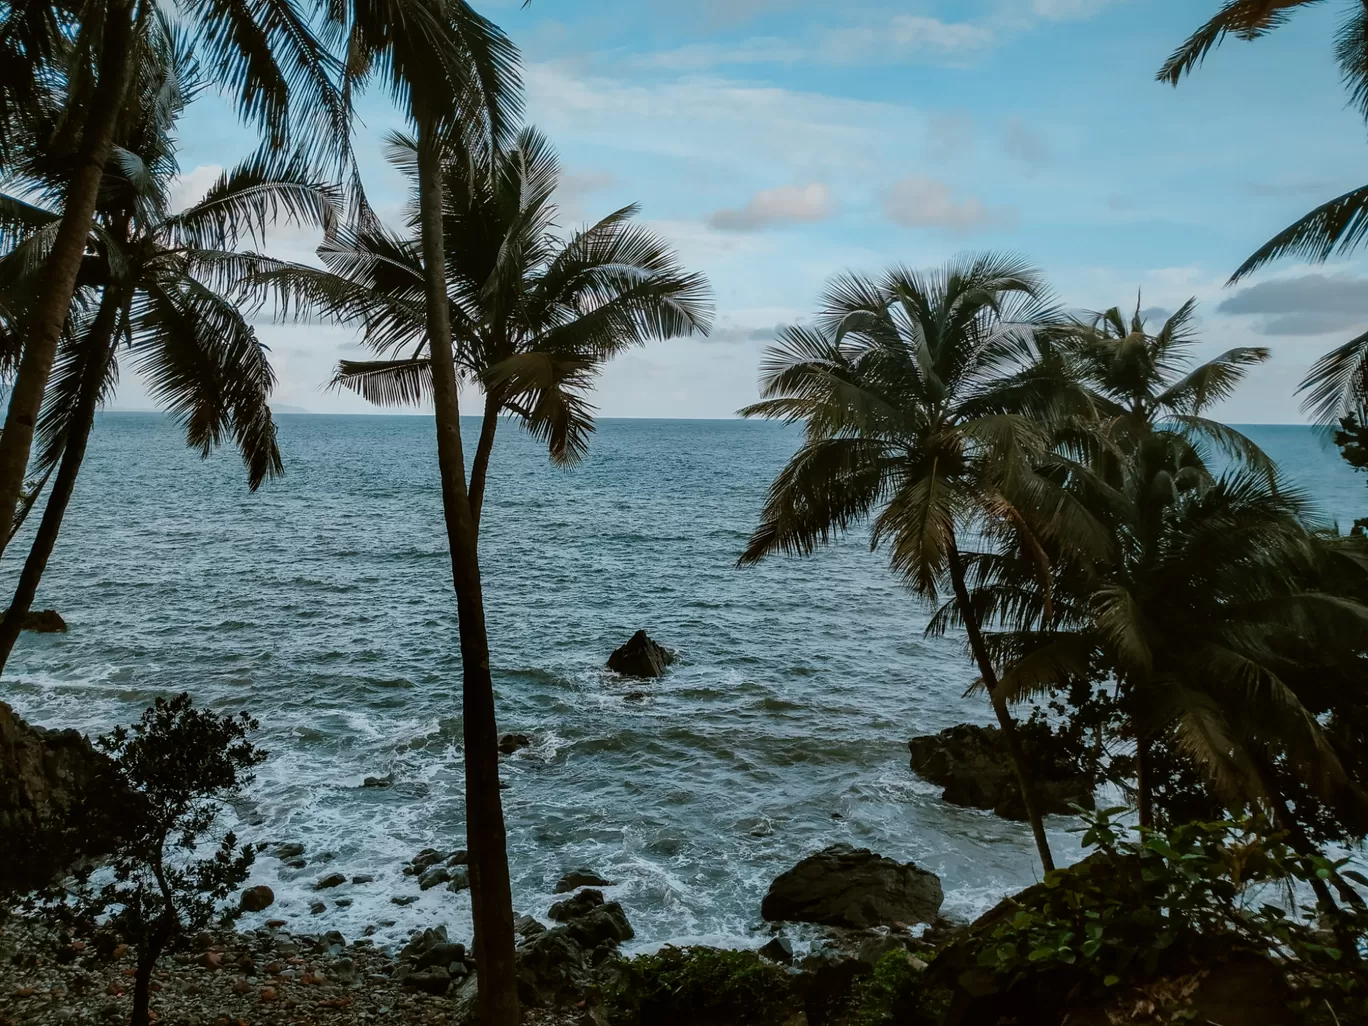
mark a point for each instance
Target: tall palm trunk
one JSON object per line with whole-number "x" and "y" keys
{"x": 99, "y": 346}
{"x": 491, "y": 891}
{"x": 999, "y": 701}
{"x": 116, "y": 65}
{"x": 479, "y": 466}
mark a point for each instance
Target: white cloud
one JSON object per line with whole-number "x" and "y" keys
{"x": 768, "y": 208}
{"x": 922, "y": 202}
{"x": 907, "y": 35}
{"x": 1025, "y": 145}
{"x": 191, "y": 186}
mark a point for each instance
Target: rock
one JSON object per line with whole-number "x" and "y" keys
{"x": 853, "y": 888}
{"x": 295, "y": 863}
{"x": 459, "y": 857}
{"x": 431, "y": 981}
{"x": 43, "y": 621}
{"x": 335, "y": 941}
{"x": 425, "y": 859}
{"x": 441, "y": 954}
{"x": 634, "y": 696}
{"x": 362, "y": 878}
{"x": 386, "y": 781}
{"x": 577, "y": 878}
{"x": 289, "y": 850}
{"x": 571, "y": 908}
{"x": 527, "y": 927}
{"x": 60, "y": 801}
{"x": 403, "y": 899}
{"x": 460, "y": 880}
{"x": 640, "y": 657}
{"x": 433, "y": 877}
{"x": 331, "y": 880}
{"x": 829, "y": 986}
{"x": 422, "y": 942}
{"x": 778, "y": 950}
{"x": 254, "y": 899}
{"x": 972, "y": 764}
{"x": 557, "y": 966}
{"x": 317, "y": 907}
{"x": 510, "y": 743}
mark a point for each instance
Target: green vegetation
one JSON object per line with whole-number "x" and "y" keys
{"x": 700, "y": 985}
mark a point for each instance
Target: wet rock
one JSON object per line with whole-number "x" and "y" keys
{"x": 973, "y": 766}
{"x": 317, "y": 907}
{"x": 459, "y": 857}
{"x": 557, "y": 966}
{"x": 362, "y": 878}
{"x": 386, "y": 781}
{"x": 335, "y": 942}
{"x": 331, "y": 880}
{"x": 778, "y": 950}
{"x": 296, "y": 863}
{"x": 577, "y": 878}
{"x": 527, "y": 927}
{"x": 433, "y": 877}
{"x": 44, "y": 621}
{"x": 254, "y": 899}
{"x": 459, "y": 881}
{"x": 510, "y": 743}
{"x": 853, "y": 888}
{"x": 634, "y": 696}
{"x": 288, "y": 850}
{"x": 571, "y": 908}
{"x": 442, "y": 954}
{"x": 403, "y": 899}
{"x": 640, "y": 657}
{"x": 423, "y": 861}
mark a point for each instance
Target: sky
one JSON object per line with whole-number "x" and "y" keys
{"x": 776, "y": 143}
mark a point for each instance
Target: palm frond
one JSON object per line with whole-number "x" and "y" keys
{"x": 387, "y": 382}
{"x": 1338, "y": 226}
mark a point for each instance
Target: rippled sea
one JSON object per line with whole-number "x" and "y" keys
{"x": 322, "y": 603}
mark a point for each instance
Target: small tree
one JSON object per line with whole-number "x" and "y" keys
{"x": 182, "y": 763}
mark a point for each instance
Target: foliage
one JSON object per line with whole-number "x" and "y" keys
{"x": 1151, "y": 902}
{"x": 181, "y": 763}
{"x": 892, "y": 995}
{"x": 684, "y": 986}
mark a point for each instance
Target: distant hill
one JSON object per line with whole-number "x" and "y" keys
{"x": 282, "y": 408}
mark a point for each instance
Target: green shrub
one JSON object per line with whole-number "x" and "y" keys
{"x": 700, "y": 987}
{"x": 889, "y": 996}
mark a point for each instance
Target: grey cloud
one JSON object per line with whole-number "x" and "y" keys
{"x": 1023, "y": 144}
{"x": 1313, "y": 304}
{"x": 1155, "y": 313}
{"x": 921, "y": 202}
{"x": 768, "y": 208}
{"x": 734, "y": 335}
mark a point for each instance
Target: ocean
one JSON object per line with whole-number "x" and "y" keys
{"x": 322, "y": 604}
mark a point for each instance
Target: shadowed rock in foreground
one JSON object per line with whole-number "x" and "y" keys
{"x": 853, "y": 888}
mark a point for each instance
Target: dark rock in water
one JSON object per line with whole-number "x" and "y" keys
{"x": 386, "y": 781}
{"x": 973, "y": 765}
{"x": 853, "y": 888}
{"x": 60, "y": 801}
{"x": 572, "y": 908}
{"x": 458, "y": 879}
{"x": 510, "y": 743}
{"x": 634, "y": 696}
{"x": 289, "y": 850}
{"x": 577, "y": 878}
{"x": 343, "y": 902}
{"x": 403, "y": 899}
{"x": 296, "y": 863}
{"x": 331, "y": 880}
{"x": 433, "y": 877}
{"x": 425, "y": 859}
{"x": 640, "y": 657}
{"x": 527, "y": 927}
{"x": 44, "y": 621}
{"x": 363, "y": 878}
{"x": 459, "y": 857}
{"x": 254, "y": 899}
{"x": 317, "y": 907}
{"x": 778, "y": 950}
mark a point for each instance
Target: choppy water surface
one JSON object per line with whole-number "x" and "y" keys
{"x": 323, "y": 604}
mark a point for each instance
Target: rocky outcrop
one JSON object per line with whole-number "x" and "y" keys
{"x": 59, "y": 802}
{"x": 254, "y": 899}
{"x": 853, "y": 888}
{"x": 578, "y": 878}
{"x": 972, "y": 764}
{"x": 510, "y": 743}
{"x": 640, "y": 657}
{"x": 44, "y": 621}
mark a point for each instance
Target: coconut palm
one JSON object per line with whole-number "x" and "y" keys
{"x": 148, "y": 287}
{"x": 534, "y": 314}
{"x": 1337, "y": 385}
{"x": 1143, "y": 383}
{"x": 265, "y": 56}
{"x": 928, "y": 400}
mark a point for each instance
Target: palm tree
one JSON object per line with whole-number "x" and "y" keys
{"x": 535, "y": 315}
{"x": 148, "y": 284}
{"x": 928, "y": 400}
{"x": 1337, "y": 384}
{"x": 1143, "y": 383}
{"x": 266, "y": 56}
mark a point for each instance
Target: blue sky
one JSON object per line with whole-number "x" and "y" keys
{"x": 777, "y": 143}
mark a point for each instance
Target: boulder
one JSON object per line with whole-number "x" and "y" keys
{"x": 778, "y": 950}
{"x": 458, "y": 879}
{"x": 43, "y": 621}
{"x": 556, "y": 967}
{"x": 510, "y": 743}
{"x": 640, "y": 657}
{"x": 433, "y": 877}
{"x": 254, "y": 899}
{"x": 577, "y": 878}
{"x": 853, "y": 888}
{"x": 60, "y": 801}
{"x": 571, "y": 908}
{"x": 331, "y": 880}
{"x": 288, "y": 850}
{"x": 972, "y": 764}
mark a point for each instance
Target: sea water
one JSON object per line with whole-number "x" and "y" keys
{"x": 322, "y": 603}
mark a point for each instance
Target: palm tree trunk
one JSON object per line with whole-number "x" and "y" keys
{"x": 99, "y": 345}
{"x": 479, "y": 467}
{"x": 491, "y": 891}
{"x": 64, "y": 261}
{"x": 1004, "y": 715}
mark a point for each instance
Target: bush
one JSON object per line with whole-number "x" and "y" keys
{"x": 700, "y": 987}
{"x": 892, "y": 995}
